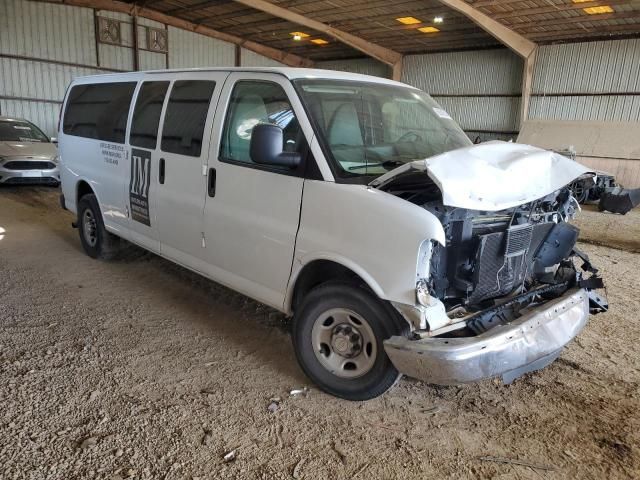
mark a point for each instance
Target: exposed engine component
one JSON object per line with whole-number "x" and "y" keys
{"x": 496, "y": 264}
{"x": 493, "y": 254}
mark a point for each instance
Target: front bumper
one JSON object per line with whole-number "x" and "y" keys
{"x": 531, "y": 342}
{"x": 10, "y": 176}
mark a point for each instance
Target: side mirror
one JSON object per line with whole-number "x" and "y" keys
{"x": 266, "y": 147}
{"x": 54, "y": 140}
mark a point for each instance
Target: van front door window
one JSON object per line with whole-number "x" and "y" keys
{"x": 254, "y": 102}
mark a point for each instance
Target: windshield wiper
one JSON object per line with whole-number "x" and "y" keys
{"x": 388, "y": 164}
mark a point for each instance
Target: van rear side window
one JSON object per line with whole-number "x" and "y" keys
{"x": 146, "y": 115}
{"x": 185, "y": 117}
{"x": 99, "y": 111}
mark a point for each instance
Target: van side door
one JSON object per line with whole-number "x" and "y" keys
{"x": 141, "y": 186}
{"x": 252, "y": 211}
{"x": 184, "y": 146}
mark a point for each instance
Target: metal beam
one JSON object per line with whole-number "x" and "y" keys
{"x": 505, "y": 35}
{"x": 390, "y": 57}
{"x": 527, "y": 83}
{"x": 135, "y": 10}
{"x": 516, "y": 42}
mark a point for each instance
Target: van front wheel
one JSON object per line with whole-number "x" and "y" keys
{"x": 96, "y": 241}
{"x": 337, "y": 337}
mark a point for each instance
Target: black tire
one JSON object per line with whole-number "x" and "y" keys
{"x": 383, "y": 322}
{"x": 100, "y": 243}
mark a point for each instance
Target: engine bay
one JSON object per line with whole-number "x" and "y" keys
{"x": 496, "y": 264}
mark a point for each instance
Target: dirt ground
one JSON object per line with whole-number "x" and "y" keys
{"x": 139, "y": 369}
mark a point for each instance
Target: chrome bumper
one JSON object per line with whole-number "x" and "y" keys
{"x": 530, "y": 343}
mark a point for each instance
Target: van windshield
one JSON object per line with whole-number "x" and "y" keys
{"x": 367, "y": 129}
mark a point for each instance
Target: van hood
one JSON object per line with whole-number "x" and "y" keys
{"x": 493, "y": 176}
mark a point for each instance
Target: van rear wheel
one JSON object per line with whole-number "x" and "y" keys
{"x": 96, "y": 241}
{"x": 337, "y": 337}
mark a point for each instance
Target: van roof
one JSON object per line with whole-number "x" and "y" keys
{"x": 289, "y": 72}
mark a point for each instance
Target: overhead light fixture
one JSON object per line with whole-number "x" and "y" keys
{"x": 297, "y": 36}
{"x": 598, "y": 10}
{"x": 429, "y": 29}
{"x": 438, "y": 20}
{"x": 408, "y": 20}
{"x": 319, "y": 41}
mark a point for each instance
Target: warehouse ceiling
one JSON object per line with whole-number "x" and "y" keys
{"x": 541, "y": 21}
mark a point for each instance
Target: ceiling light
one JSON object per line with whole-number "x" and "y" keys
{"x": 598, "y": 10}
{"x": 319, "y": 41}
{"x": 297, "y": 38}
{"x": 299, "y": 35}
{"x": 429, "y": 29}
{"x": 408, "y": 20}
{"x": 438, "y": 20}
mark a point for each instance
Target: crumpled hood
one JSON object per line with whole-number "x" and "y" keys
{"x": 494, "y": 175}
{"x": 44, "y": 150}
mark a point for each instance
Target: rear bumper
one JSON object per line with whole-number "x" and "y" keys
{"x": 530, "y": 343}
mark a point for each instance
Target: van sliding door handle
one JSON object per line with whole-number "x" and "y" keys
{"x": 161, "y": 172}
{"x": 211, "y": 182}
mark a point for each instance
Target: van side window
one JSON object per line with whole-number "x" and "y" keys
{"x": 99, "y": 111}
{"x": 254, "y": 102}
{"x": 146, "y": 115}
{"x": 185, "y": 117}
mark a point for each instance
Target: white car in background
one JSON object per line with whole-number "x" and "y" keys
{"x": 355, "y": 204}
{"x": 27, "y": 155}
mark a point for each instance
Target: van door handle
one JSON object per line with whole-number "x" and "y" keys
{"x": 161, "y": 172}
{"x": 211, "y": 183}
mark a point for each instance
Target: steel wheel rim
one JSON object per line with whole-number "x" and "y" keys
{"x": 344, "y": 343}
{"x": 89, "y": 228}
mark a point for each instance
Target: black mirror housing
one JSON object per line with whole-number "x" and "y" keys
{"x": 266, "y": 147}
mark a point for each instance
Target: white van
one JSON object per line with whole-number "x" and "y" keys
{"x": 354, "y": 204}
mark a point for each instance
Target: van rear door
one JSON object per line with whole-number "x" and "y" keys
{"x": 184, "y": 145}
{"x": 141, "y": 187}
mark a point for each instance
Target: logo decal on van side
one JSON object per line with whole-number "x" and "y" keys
{"x": 139, "y": 185}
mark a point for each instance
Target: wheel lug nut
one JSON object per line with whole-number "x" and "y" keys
{"x": 354, "y": 337}
{"x": 347, "y": 329}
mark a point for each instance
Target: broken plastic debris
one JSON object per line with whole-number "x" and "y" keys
{"x": 230, "y": 457}
{"x": 299, "y": 391}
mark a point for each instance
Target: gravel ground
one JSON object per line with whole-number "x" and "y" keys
{"x": 139, "y": 369}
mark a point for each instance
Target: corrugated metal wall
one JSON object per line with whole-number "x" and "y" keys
{"x": 43, "y": 30}
{"x": 593, "y": 81}
{"x": 188, "y": 49}
{"x": 44, "y": 46}
{"x": 365, "y": 66}
{"x": 252, "y": 59}
{"x": 35, "y": 90}
{"x": 480, "y": 89}
{"x": 33, "y": 38}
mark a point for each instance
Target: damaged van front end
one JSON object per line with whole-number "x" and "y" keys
{"x": 509, "y": 288}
